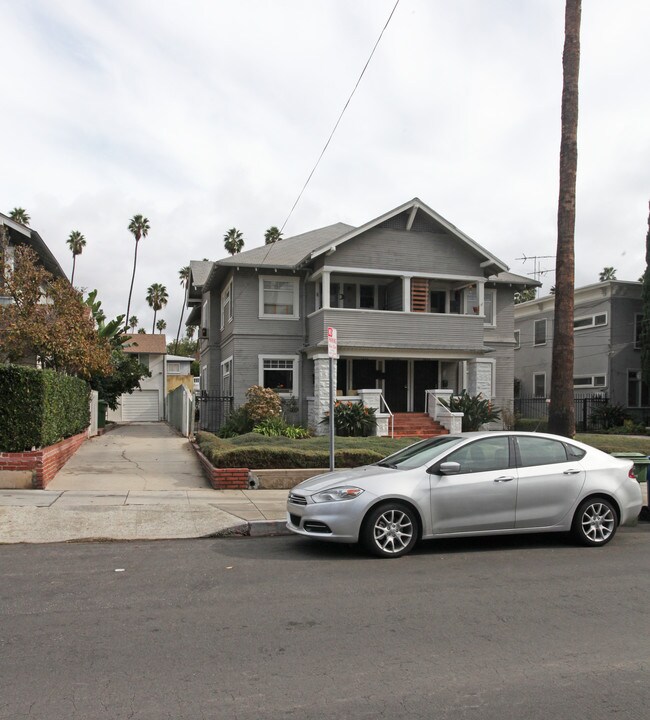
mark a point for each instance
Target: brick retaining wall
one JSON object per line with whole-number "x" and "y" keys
{"x": 44, "y": 463}
{"x": 222, "y": 478}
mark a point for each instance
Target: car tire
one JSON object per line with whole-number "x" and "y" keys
{"x": 390, "y": 530}
{"x": 595, "y": 522}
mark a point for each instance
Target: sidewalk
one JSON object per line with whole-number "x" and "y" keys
{"x": 140, "y": 481}
{"x": 43, "y": 516}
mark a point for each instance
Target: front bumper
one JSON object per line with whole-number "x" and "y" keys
{"x": 332, "y": 521}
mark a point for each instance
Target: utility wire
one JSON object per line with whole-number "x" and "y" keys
{"x": 365, "y": 67}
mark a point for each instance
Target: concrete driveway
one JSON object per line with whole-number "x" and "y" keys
{"x": 137, "y": 456}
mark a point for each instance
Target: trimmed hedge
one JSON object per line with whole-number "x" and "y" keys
{"x": 40, "y": 407}
{"x": 532, "y": 424}
{"x": 269, "y": 454}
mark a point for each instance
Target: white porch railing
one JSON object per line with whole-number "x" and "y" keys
{"x": 437, "y": 410}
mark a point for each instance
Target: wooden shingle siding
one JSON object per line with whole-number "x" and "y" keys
{"x": 408, "y": 251}
{"x": 367, "y": 328}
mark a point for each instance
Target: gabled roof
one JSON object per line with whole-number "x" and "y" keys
{"x": 288, "y": 252}
{"x": 508, "y": 278}
{"x": 22, "y": 235}
{"x": 415, "y": 209}
{"x": 146, "y": 343}
{"x": 199, "y": 273}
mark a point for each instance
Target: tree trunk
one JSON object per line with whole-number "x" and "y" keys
{"x": 561, "y": 419}
{"x": 128, "y": 307}
{"x": 74, "y": 263}
{"x": 180, "y": 321}
{"x": 645, "y": 323}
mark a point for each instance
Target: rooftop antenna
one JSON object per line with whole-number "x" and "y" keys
{"x": 538, "y": 271}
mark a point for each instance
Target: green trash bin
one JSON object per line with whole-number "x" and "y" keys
{"x": 640, "y": 461}
{"x": 101, "y": 413}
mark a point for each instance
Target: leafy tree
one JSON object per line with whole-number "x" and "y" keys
{"x": 645, "y": 322}
{"x": 191, "y": 329}
{"x": 272, "y": 235}
{"x": 161, "y": 325}
{"x": 76, "y": 242}
{"x": 133, "y": 322}
{"x": 522, "y": 296}
{"x": 127, "y": 371}
{"x": 607, "y": 273}
{"x": 157, "y": 299}
{"x": 20, "y": 215}
{"x": 561, "y": 416}
{"x": 142, "y": 331}
{"x": 184, "y": 275}
{"x": 49, "y": 321}
{"x": 185, "y": 347}
{"x": 139, "y": 228}
{"x": 233, "y": 241}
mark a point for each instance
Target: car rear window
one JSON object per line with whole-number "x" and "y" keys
{"x": 540, "y": 451}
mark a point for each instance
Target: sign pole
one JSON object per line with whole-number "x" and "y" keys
{"x": 332, "y": 352}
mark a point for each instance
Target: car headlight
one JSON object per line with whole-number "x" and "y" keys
{"x": 337, "y": 493}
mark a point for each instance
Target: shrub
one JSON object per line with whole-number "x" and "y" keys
{"x": 608, "y": 416}
{"x": 353, "y": 419}
{"x": 262, "y": 403}
{"x": 629, "y": 427}
{"x": 476, "y": 410}
{"x": 277, "y": 427}
{"x": 238, "y": 423}
{"x": 40, "y": 407}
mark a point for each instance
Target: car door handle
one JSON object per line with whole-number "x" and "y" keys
{"x": 504, "y": 478}
{"x": 571, "y": 472}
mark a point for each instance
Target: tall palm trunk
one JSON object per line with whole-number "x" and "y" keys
{"x": 561, "y": 418}
{"x": 153, "y": 327}
{"x": 128, "y": 306}
{"x": 180, "y": 321}
{"x": 74, "y": 263}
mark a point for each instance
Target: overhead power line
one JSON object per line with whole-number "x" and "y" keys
{"x": 365, "y": 67}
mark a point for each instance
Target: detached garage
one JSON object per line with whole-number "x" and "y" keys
{"x": 141, "y": 406}
{"x": 146, "y": 404}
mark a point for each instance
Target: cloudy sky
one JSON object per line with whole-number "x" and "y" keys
{"x": 208, "y": 114}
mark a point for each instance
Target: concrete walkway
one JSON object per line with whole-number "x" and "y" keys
{"x": 140, "y": 481}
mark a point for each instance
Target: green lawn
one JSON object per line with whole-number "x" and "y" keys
{"x": 616, "y": 443}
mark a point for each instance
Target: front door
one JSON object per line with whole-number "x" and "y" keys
{"x": 396, "y": 385}
{"x": 425, "y": 377}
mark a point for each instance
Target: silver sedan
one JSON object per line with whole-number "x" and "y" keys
{"x": 485, "y": 483}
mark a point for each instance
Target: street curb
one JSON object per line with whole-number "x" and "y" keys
{"x": 255, "y": 528}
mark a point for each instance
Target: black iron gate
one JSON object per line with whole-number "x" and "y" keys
{"x": 588, "y": 417}
{"x": 212, "y": 412}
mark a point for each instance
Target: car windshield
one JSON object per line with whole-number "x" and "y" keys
{"x": 421, "y": 453}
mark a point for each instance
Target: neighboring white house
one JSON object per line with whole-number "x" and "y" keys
{"x": 148, "y": 403}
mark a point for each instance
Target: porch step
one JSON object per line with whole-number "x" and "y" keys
{"x": 418, "y": 425}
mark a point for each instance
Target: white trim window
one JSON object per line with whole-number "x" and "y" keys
{"x": 590, "y": 381}
{"x": 539, "y": 385}
{"x": 279, "y": 297}
{"x": 205, "y": 318}
{"x": 226, "y": 377}
{"x": 279, "y": 373}
{"x": 637, "y": 390}
{"x": 226, "y": 305}
{"x": 590, "y": 321}
{"x": 540, "y": 332}
{"x": 489, "y": 307}
{"x": 173, "y": 368}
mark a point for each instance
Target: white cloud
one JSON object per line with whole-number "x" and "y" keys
{"x": 204, "y": 115}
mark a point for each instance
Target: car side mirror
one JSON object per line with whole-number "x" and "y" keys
{"x": 449, "y": 468}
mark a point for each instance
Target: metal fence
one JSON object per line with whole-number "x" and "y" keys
{"x": 587, "y": 410}
{"x": 211, "y": 412}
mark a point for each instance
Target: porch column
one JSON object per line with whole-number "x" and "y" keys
{"x": 322, "y": 393}
{"x": 479, "y": 377}
{"x": 406, "y": 294}
{"x": 325, "y": 289}
{"x": 480, "y": 289}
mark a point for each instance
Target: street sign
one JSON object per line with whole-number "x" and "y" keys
{"x": 332, "y": 349}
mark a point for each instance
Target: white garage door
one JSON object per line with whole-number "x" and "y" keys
{"x": 141, "y": 406}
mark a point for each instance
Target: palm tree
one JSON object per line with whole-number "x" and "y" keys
{"x": 607, "y": 273}
{"x": 157, "y": 299}
{"x": 161, "y": 325}
{"x": 561, "y": 416}
{"x": 272, "y": 235}
{"x": 133, "y": 322}
{"x": 139, "y": 228}
{"x": 76, "y": 243}
{"x": 20, "y": 215}
{"x": 184, "y": 275}
{"x": 233, "y": 241}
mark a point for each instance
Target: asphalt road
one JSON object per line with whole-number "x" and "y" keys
{"x": 252, "y": 628}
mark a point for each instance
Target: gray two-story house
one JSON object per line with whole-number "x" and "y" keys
{"x": 416, "y": 303}
{"x": 607, "y": 356}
